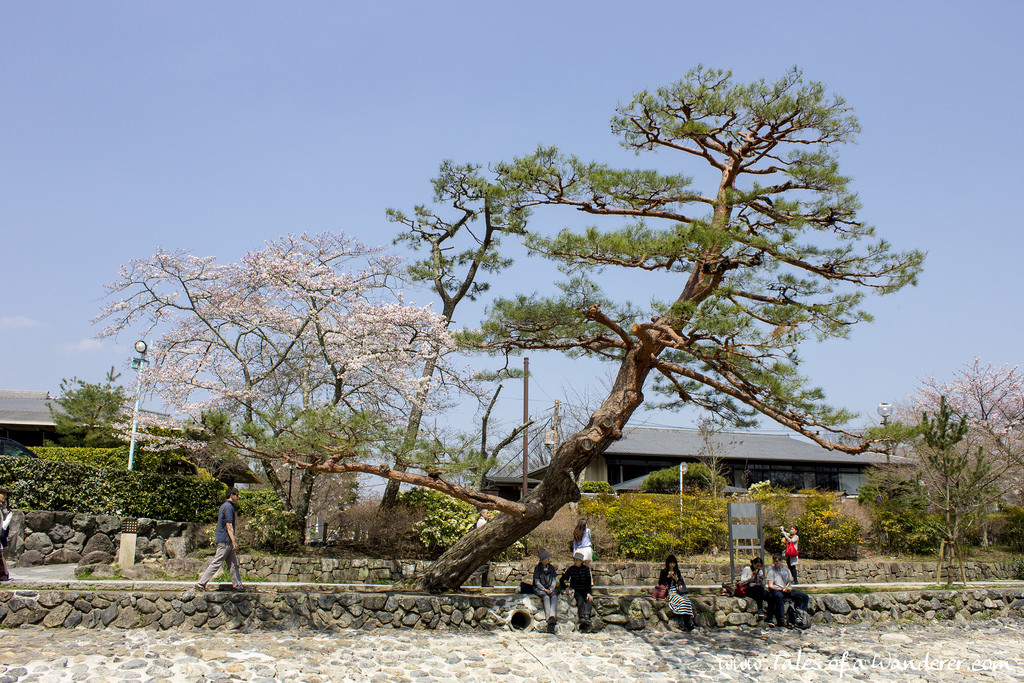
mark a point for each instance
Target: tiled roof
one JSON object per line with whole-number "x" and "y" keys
{"x": 25, "y": 408}
{"x": 730, "y": 446}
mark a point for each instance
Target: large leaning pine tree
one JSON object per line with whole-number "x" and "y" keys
{"x": 758, "y": 253}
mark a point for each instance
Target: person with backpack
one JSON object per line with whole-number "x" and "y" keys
{"x": 671, "y": 578}
{"x": 792, "y": 550}
{"x": 579, "y": 578}
{"x": 779, "y": 586}
{"x": 545, "y": 585}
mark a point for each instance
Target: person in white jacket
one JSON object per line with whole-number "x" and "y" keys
{"x": 6, "y": 515}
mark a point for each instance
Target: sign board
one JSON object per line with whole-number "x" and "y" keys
{"x": 745, "y": 533}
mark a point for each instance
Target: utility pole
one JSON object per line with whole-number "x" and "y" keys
{"x": 554, "y": 425}
{"x": 526, "y": 418}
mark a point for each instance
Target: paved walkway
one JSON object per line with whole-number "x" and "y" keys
{"x": 991, "y": 651}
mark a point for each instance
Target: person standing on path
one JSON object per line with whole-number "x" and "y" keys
{"x": 227, "y": 546}
{"x": 6, "y": 515}
{"x": 581, "y": 542}
{"x": 485, "y": 569}
{"x": 581, "y": 581}
{"x": 792, "y": 550}
{"x": 545, "y": 583}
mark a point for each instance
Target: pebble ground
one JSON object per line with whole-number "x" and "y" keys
{"x": 988, "y": 650}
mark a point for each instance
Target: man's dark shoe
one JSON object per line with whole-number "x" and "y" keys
{"x": 240, "y": 589}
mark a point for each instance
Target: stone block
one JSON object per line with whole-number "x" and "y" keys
{"x": 97, "y": 557}
{"x": 99, "y": 571}
{"x": 836, "y": 604}
{"x": 62, "y": 556}
{"x": 83, "y": 523}
{"x": 39, "y": 520}
{"x": 108, "y": 524}
{"x": 57, "y": 615}
{"x": 138, "y": 572}
{"x": 39, "y": 542}
{"x": 98, "y": 542}
{"x": 30, "y": 558}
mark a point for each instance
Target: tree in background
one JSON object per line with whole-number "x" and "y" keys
{"x": 957, "y": 481}
{"x": 770, "y": 255}
{"x": 459, "y": 247}
{"x": 87, "y": 413}
{"x": 713, "y": 450}
{"x": 991, "y": 400}
{"x": 306, "y": 344}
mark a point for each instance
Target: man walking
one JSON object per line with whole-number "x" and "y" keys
{"x": 227, "y": 546}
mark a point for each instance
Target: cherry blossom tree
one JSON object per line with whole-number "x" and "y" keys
{"x": 306, "y": 343}
{"x": 990, "y": 400}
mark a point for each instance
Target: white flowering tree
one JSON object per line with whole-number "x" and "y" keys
{"x": 305, "y": 343}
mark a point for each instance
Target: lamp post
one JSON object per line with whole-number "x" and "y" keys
{"x": 885, "y": 412}
{"x": 137, "y": 365}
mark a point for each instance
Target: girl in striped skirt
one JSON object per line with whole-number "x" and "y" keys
{"x": 678, "y": 601}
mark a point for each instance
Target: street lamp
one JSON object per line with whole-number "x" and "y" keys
{"x": 885, "y": 411}
{"x": 137, "y": 365}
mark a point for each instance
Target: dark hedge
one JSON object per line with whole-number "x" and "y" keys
{"x": 37, "y": 484}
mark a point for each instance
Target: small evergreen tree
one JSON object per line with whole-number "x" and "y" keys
{"x": 86, "y": 412}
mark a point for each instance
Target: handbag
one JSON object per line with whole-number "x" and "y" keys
{"x": 660, "y": 592}
{"x": 526, "y": 588}
{"x": 790, "y": 549}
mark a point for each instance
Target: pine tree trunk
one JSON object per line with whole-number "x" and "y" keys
{"x": 559, "y": 487}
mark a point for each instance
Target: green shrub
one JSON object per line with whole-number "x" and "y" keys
{"x": 596, "y": 487}
{"x": 38, "y": 484}
{"x": 160, "y": 462}
{"x": 649, "y": 527}
{"x": 826, "y": 533}
{"x": 900, "y": 522}
{"x": 275, "y": 529}
{"x": 445, "y": 519}
{"x": 697, "y": 477}
{"x": 250, "y": 501}
{"x": 1012, "y": 527}
{"x": 1018, "y": 569}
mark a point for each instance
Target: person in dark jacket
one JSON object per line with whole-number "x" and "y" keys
{"x": 678, "y": 602}
{"x": 545, "y": 583}
{"x": 580, "y": 580}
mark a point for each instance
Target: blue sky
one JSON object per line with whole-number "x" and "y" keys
{"x": 215, "y": 126}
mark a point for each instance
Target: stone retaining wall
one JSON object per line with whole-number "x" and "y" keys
{"x": 328, "y": 570}
{"x": 330, "y": 610}
{"x": 45, "y": 537}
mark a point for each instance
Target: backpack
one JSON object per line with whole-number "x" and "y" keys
{"x": 799, "y": 618}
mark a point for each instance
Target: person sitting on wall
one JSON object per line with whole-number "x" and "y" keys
{"x": 751, "y": 584}
{"x": 678, "y": 601}
{"x": 779, "y": 585}
{"x": 581, "y": 581}
{"x": 545, "y": 583}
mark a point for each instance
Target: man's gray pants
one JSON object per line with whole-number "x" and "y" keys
{"x": 225, "y": 553}
{"x": 550, "y": 604}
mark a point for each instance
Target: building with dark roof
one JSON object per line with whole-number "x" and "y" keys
{"x": 25, "y": 416}
{"x": 746, "y": 459}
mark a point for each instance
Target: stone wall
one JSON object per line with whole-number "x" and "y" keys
{"x": 45, "y": 537}
{"x": 330, "y": 610}
{"x": 329, "y": 570}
